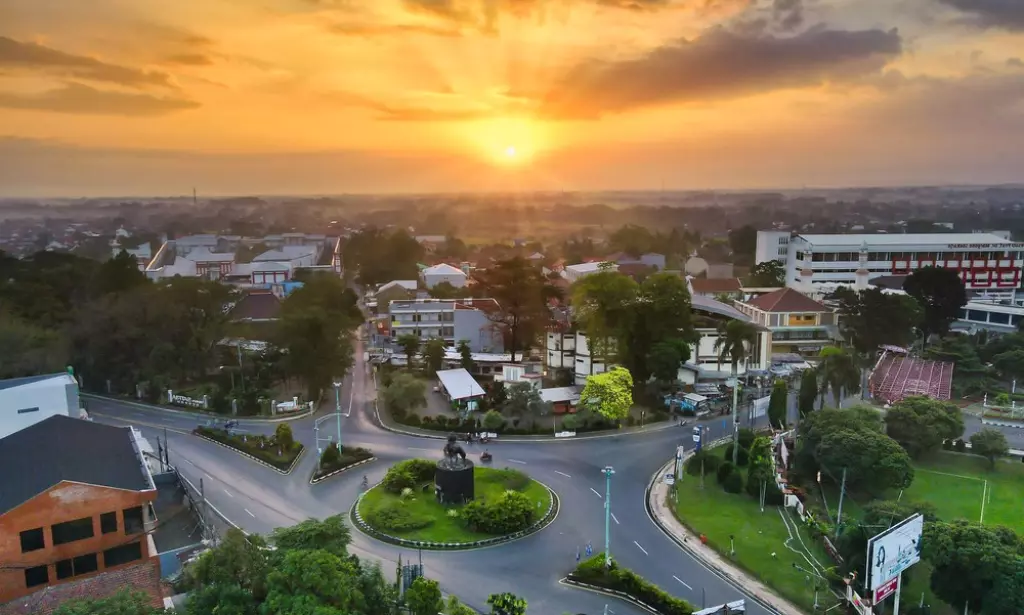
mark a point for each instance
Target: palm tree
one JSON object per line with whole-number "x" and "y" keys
{"x": 736, "y": 338}
{"x": 837, "y": 371}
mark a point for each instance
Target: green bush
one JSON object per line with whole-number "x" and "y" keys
{"x": 733, "y": 483}
{"x": 742, "y": 458}
{"x": 251, "y": 445}
{"x": 746, "y": 437}
{"x": 593, "y": 572}
{"x": 774, "y": 496}
{"x": 413, "y": 420}
{"x": 510, "y": 512}
{"x": 397, "y": 480}
{"x": 512, "y": 479}
{"x": 421, "y": 470}
{"x": 711, "y": 463}
{"x": 331, "y": 456}
{"x": 395, "y": 516}
{"x": 724, "y": 471}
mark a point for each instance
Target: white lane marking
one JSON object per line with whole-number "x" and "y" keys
{"x": 207, "y": 476}
{"x": 413, "y": 448}
{"x": 596, "y": 493}
{"x": 254, "y": 516}
{"x": 563, "y": 474}
{"x": 190, "y": 463}
{"x": 228, "y": 492}
{"x": 614, "y": 519}
{"x": 641, "y": 548}
{"x": 683, "y": 582}
{"x": 517, "y": 461}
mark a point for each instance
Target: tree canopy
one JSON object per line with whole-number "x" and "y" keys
{"x": 871, "y": 318}
{"x": 920, "y": 424}
{"x": 941, "y": 294}
{"x": 609, "y": 394}
{"x": 990, "y": 444}
{"x": 975, "y": 566}
{"x": 769, "y": 274}
{"x": 381, "y": 256}
{"x": 522, "y": 292}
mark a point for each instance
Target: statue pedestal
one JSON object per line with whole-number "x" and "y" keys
{"x": 454, "y": 479}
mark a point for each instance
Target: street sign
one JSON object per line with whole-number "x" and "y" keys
{"x": 670, "y": 479}
{"x": 886, "y": 589}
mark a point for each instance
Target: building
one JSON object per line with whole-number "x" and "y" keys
{"x": 451, "y": 321}
{"x": 798, "y": 324}
{"x": 568, "y": 350}
{"x": 142, "y": 254}
{"x": 79, "y": 523}
{"x": 27, "y": 401}
{"x": 650, "y": 259}
{"x": 460, "y": 388}
{"x": 988, "y": 264}
{"x": 705, "y": 363}
{"x": 443, "y": 272}
{"x": 715, "y": 288}
{"x": 574, "y": 273}
{"x": 991, "y": 316}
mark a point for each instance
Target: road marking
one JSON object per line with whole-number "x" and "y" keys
{"x": 254, "y": 516}
{"x": 190, "y": 463}
{"x": 984, "y": 489}
{"x": 641, "y": 548}
{"x": 228, "y": 492}
{"x": 614, "y": 519}
{"x": 413, "y": 448}
{"x": 517, "y": 461}
{"x": 207, "y": 476}
{"x": 683, "y": 582}
{"x": 595, "y": 492}
{"x": 563, "y": 474}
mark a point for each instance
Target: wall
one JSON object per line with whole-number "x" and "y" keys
{"x": 51, "y": 396}
{"x": 64, "y": 502}
{"x": 474, "y": 326}
{"x": 458, "y": 280}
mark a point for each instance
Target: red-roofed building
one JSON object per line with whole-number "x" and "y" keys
{"x": 799, "y": 324}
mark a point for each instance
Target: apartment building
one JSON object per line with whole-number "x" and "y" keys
{"x": 451, "y": 321}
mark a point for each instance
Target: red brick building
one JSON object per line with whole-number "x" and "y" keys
{"x": 75, "y": 515}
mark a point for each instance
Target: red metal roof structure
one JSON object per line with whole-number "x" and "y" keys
{"x": 897, "y": 376}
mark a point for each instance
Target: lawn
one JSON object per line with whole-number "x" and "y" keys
{"x": 489, "y": 483}
{"x": 259, "y": 446}
{"x": 717, "y": 514}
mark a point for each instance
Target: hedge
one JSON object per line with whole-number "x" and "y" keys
{"x": 252, "y": 446}
{"x": 470, "y": 425}
{"x": 349, "y": 455}
{"x": 593, "y": 572}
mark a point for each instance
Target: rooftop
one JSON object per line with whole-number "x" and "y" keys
{"x": 896, "y": 239}
{"x": 459, "y": 384}
{"x": 715, "y": 285}
{"x": 712, "y": 306}
{"x": 257, "y": 306}
{"x": 61, "y": 449}
{"x": 787, "y": 300}
{"x": 443, "y": 269}
{"x": 17, "y": 382}
{"x": 589, "y": 267}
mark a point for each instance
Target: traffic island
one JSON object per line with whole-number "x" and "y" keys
{"x": 334, "y": 461}
{"x": 623, "y": 583}
{"x": 407, "y": 509}
{"x": 279, "y": 451}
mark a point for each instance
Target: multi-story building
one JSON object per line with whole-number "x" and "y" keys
{"x": 75, "y": 515}
{"x": 27, "y": 401}
{"x": 991, "y": 316}
{"x": 989, "y": 264}
{"x": 574, "y": 273}
{"x": 568, "y": 350}
{"x": 451, "y": 321}
{"x": 798, "y": 324}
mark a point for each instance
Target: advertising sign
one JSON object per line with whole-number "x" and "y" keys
{"x": 893, "y": 551}
{"x": 887, "y": 589}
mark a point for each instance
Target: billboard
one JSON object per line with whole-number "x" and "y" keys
{"x": 893, "y": 551}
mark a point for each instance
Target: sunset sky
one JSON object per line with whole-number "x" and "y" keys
{"x": 119, "y": 97}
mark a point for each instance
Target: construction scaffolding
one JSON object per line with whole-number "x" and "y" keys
{"x": 897, "y": 375}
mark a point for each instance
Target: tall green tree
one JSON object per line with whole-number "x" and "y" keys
{"x": 920, "y": 424}
{"x": 777, "y": 404}
{"x": 404, "y": 393}
{"x": 736, "y": 340}
{"x": 664, "y": 360}
{"x": 837, "y": 371}
{"x": 423, "y": 597}
{"x": 969, "y": 561}
{"x": 874, "y": 461}
{"x": 410, "y": 345}
{"x": 124, "y": 602}
{"x": 604, "y": 306}
{"x": 331, "y": 535}
{"x": 524, "y": 401}
{"x": 119, "y": 274}
{"x": 661, "y": 316}
{"x": 609, "y": 394}
{"x": 990, "y": 444}
{"x": 769, "y": 274}
{"x": 808, "y": 392}
{"x": 941, "y": 294}
{"x": 466, "y": 356}
{"x": 522, "y": 292}
{"x": 816, "y": 425}
{"x": 312, "y": 583}
{"x": 29, "y": 349}
{"x": 433, "y": 355}
{"x": 970, "y": 375}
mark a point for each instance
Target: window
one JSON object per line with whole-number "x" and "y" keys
{"x": 64, "y": 569}
{"x": 108, "y": 522}
{"x": 32, "y": 540}
{"x": 122, "y": 555}
{"x": 999, "y": 318}
{"x": 133, "y": 520}
{"x": 83, "y": 564}
{"x": 27, "y": 410}
{"x": 70, "y": 531}
{"x": 40, "y": 575}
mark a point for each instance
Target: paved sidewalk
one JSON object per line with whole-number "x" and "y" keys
{"x": 709, "y": 557}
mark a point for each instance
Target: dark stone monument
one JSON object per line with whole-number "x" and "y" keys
{"x": 453, "y": 478}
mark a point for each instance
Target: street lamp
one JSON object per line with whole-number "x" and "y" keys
{"x": 608, "y": 471}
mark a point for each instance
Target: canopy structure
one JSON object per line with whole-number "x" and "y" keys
{"x": 459, "y": 384}
{"x": 897, "y": 376}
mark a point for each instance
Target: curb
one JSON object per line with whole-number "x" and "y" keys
{"x": 315, "y": 481}
{"x": 256, "y": 459}
{"x": 196, "y": 413}
{"x": 607, "y": 592}
{"x": 1003, "y": 423}
{"x": 712, "y": 567}
{"x": 548, "y": 518}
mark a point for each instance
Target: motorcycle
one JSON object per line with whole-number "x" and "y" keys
{"x": 486, "y": 457}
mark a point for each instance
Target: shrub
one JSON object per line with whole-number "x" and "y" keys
{"x": 512, "y": 479}
{"x": 733, "y": 483}
{"x": 493, "y": 420}
{"x": 711, "y": 463}
{"x": 742, "y": 458}
{"x": 413, "y": 420}
{"x": 397, "y": 517}
{"x": 331, "y": 456}
{"x": 746, "y": 437}
{"x": 396, "y": 480}
{"x": 960, "y": 446}
{"x": 283, "y": 436}
{"x": 593, "y": 572}
{"x": 421, "y": 470}
{"x": 724, "y": 471}
{"x": 510, "y": 512}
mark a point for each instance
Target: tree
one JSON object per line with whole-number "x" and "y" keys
{"x": 990, "y": 444}
{"x": 743, "y": 243}
{"x": 506, "y": 604}
{"x": 777, "y": 404}
{"x": 970, "y": 375}
{"x": 221, "y": 599}
{"x": 969, "y": 561}
{"x": 331, "y": 456}
{"x": 445, "y": 290}
{"x": 410, "y": 345}
{"x": 609, "y": 394}
{"x": 921, "y": 424}
{"x": 808, "y": 392}
{"x": 312, "y": 583}
{"x": 404, "y": 393}
{"x": 466, "y": 356}
{"x": 124, "y": 602}
{"x": 837, "y": 370}
{"x": 455, "y": 607}
{"x": 735, "y": 340}
{"x": 816, "y": 425}
{"x": 874, "y": 462}
{"x": 604, "y": 306}
{"x": 877, "y": 515}
{"x": 423, "y": 597}
{"x": 760, "y": 465}
{"x": 433, "y": 355}
{"x": 1007, "y": 595}
{"x": 941, "y": 294}
{"x": 30, "y": 350}
{"x": 661, "y": 316}
{"x": 119, "y": 274}
{"x": 664, "y": 361}
{"x": 283, "y": 436}
{"x": 1010, "y": 364}
{"x": 522, "y": 293}
{"x": 239, "y": 560}
{"x": 330, "y": 534}
{"x": 524, "y": 400}
{"x": 493, "y": 420}
{"x": 769, "y": 274}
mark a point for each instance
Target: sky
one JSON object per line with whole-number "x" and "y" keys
{"x": 149, "y": 97}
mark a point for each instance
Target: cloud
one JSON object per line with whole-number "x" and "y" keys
{"x": 381, "y": 29}
{"x": 1008, "y": 14}
{"x": 433, "y": 107}
{"x": 34, "y": 57}
{"x": 720, "y": 63}
{"x": 189, "y": 59}
{"x": 82, "y": 99}
{"x": 483, "y": 14}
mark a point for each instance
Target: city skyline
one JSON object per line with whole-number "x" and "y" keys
{"x": 406, "y": 96}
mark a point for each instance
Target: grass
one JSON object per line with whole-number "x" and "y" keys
{"x": 717, "y": 515}
{"x": 488, "y": 483}
{"x": 251, "y": 446}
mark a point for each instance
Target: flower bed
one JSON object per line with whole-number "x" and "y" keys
{"x": 593, "y": 572}
{"x": 349, "y": 456}
{"x": 260, "y": 447}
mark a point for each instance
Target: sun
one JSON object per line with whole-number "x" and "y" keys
{"x": 510, "y": 151}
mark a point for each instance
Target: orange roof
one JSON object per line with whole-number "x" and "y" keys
{"x": 787, "y": 300}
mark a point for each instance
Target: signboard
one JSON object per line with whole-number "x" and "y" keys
{"x": 887, "y": 589}
{"x": 565, "y": 434}
{"x": 759, "y": 408}
{"x": 670, "y": 479}
{"x": 997, "y": 246}
{"x": 893, "y": 551}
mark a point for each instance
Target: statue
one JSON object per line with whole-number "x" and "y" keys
{"x": 454, "y": 455}
{"x": 453, "y": 478}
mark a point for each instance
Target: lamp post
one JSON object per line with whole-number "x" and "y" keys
{"x": 337, "y": 407}
{"x": 608, "y": 471}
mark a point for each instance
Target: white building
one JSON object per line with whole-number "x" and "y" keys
{"x": 991, "y": 316}
{"x": 989, "y": 264}
{"x": 432, "y": 276}
{"x": 574, "y": 273}
{"x": 569, "y": 351}
{"x": 26, "y": 401}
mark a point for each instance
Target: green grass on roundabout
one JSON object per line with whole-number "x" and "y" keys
{"x": 439, "y": 525}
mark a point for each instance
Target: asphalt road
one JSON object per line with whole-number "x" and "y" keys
{"x": 258, "y": 499}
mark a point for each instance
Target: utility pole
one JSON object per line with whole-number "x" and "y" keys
{"x": 839, "y": 514}
{"x": 337, "y": 409}
{"x": 899, "y": 588}
{"x": 205, "y": 515}
{"x": 735, "y": 420}
{"x": 167, "y": 452}
{"x": 608, "y": 471}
